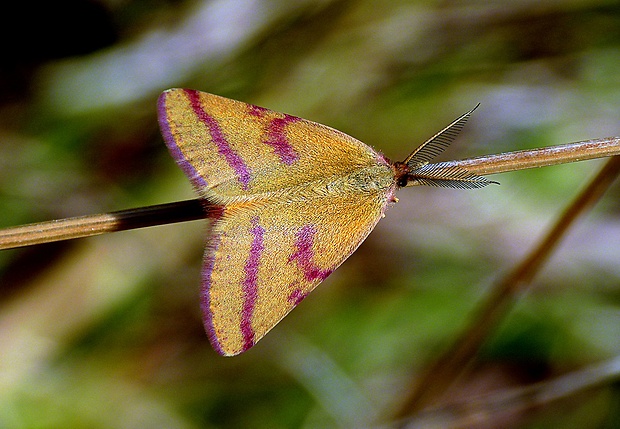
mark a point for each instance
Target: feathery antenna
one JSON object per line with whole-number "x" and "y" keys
{"x": 442, "y": 174}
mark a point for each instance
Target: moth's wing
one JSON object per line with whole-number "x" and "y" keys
{"x": 231, "y": 149}
{"x": 262, "y": 260}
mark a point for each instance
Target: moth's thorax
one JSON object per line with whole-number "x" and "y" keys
{"x": 372, "y": 178}
{"x": 376, "y": 179}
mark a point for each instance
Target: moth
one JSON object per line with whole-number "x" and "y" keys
{"x": 294, "y": 199}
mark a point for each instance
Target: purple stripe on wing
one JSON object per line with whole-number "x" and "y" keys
{"x": 304, "y": 255}
{"x": 232, "y": 158}
{"x": 250, "y": 284}
{"x": 205, "y": 293}
{"x": 277, "y": 139}
{"x": 174, "y": 142}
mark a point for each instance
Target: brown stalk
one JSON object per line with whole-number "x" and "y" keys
{"x": 485, "y": 409}
{"x": 86, "y": 226}
{"x": 439, "y": 376}
{"x": 542, "y": 157}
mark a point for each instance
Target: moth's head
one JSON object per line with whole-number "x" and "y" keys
{"x": 401, "y": 174}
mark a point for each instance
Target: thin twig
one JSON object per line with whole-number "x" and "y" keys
{"x": 442, "y": 374}
{"x": 484, "y": 409}
{"x": 86, "y": 226}
{"x": 542, "y": 157}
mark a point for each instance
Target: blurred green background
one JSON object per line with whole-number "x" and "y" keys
{"x": 105, "y": 332}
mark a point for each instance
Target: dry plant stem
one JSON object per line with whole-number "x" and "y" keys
{"x": 438, "y": 377}
{"x": 483, "y": 410}
{"x": 542, "y": 157}
{"x": 86, "y": 226}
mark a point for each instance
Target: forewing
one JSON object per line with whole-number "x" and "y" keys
{"x": 231, "y": 149}
{"x": 262, "y": 260}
